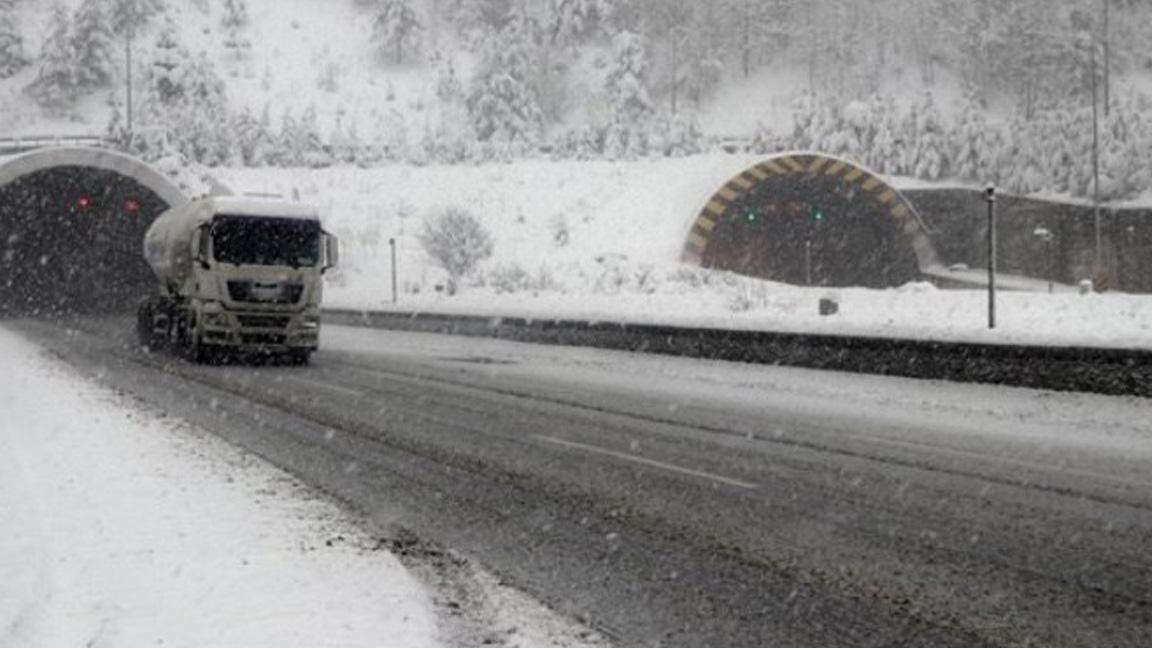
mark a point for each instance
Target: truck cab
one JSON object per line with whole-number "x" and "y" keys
{"x": 237, "y": 274}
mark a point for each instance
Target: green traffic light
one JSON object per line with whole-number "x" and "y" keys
{"x": 751, "y": 217}
{"x": 819, "y": 216}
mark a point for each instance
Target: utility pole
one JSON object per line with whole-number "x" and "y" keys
{"x": 1107, "y": 57}
{"x": 747, "y": 53}
{"x": 128, "y": 35}
{"x": 990, "y": 196}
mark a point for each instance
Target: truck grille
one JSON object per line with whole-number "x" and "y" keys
{"x": 262, "y": 338}
{"x": 253, "y": 292}
{"x": 263, "y": 321}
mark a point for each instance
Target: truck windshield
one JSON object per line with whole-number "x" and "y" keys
{"x": 250, "y": 240}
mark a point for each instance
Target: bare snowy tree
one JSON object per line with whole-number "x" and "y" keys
{"x": 457, "y": 241}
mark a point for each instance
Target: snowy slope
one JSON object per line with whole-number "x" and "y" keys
{"x": 295, "y": 44}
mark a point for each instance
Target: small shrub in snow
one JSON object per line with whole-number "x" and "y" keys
{"x": 561, "y": 232}
{"x": 750, "y": 295}
{"x": 507, "y": 278}
{"x": 513, "y": 278}
{"x": 457, "y": 241}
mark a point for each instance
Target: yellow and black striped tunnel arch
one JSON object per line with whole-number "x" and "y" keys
{"x": 809, "y": 218}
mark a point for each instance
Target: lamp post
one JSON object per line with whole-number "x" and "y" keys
{"x": 990, "y": 197}
{"x": 392, "y": 245}
{"x": 1046, "y": 235}
{"x": 808, "y": 262}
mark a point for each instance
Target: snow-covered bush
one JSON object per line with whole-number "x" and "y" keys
{"x": 457, "y": 241}
{"x": 513, "y": 278}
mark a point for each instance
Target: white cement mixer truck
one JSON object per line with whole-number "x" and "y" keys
{"x": 236, "y": 274}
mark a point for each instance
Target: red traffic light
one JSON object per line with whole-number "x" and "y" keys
{"x": 84, "y": 202}
{"x": 131, "y": 206}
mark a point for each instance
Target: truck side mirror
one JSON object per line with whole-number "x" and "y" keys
{"x": 331, "y": 252}
{"x": 200, "y": 245}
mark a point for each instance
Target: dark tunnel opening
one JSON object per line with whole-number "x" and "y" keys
{"x": 72, "y": 242}
{"x": 813, "y": 229}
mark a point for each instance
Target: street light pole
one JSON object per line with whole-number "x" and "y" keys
{"x": 990, "y": 196}
{"x": 808, "y": 262}
{"x": 392, "y": 245}
{"x": 1046, "y": 235}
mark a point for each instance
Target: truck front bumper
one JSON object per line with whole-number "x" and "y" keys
{"x": 260, "y": 331}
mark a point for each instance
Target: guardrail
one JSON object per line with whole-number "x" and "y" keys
{"x": 23, "y": 144}
{"x": 1083, "y": 369}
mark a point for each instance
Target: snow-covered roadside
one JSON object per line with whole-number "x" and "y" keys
{"x": 601, "y": 241}
{"x": 124, "y": 530}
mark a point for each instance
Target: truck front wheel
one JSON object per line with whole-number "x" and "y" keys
{"x": 146, "y": 326}
{"x": 299, "y": 357}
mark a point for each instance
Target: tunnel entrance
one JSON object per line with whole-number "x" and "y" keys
{"x": 71, "y": 240}
{"x": 810, "y": 219}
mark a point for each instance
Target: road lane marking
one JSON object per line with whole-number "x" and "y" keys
{"x": 647, "y": 462}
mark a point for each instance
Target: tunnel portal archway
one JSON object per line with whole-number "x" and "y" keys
{"x": 812, "y": 219}
{"x": 72, "y": 222}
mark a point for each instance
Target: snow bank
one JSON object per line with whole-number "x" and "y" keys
{"x": 602, "y": 241}
{"x": 122, "y": 530}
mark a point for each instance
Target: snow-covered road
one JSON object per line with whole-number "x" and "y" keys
{"x": 680, "y": 502}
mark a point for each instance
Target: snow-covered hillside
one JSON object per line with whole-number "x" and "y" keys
{"x": 935, "y": 89}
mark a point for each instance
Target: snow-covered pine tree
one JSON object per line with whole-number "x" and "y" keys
{"x": 117, "y": 130}
{"x": 132, "y": 15}
{"x": 804, "y": 109}
{"x": 886, "y": 150}
{"x": 316, "y": 152}
{"x": 160, "y": 75}
{"x": 626, "y": 86}
{"x": 92, "y": 44}
{"x": 342, "y": 142}
{"x": 975, "y": 142}
{"x": 183, "y": 97}
{"x": 396, "y": 30}
{"x": 573, "y": 21}
{"x": 12, "y": 58}
{"x": 55, "y": 87}
{"x": 254, "y": 141}
{"x": 932, "y": 161}
{"x": 234, "y": 21}
{"x": 669, "y": 28}
{"x": 502, "y": 104}
{"x": 235, "y": 14}
{"x": 1125, "y": 161}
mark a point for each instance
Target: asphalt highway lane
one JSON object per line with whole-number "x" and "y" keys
{"x": 673, "y": 502}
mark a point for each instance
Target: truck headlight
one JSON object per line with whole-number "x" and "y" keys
{"x": 311, "y": 323}
{"x": 217, "y": 320}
